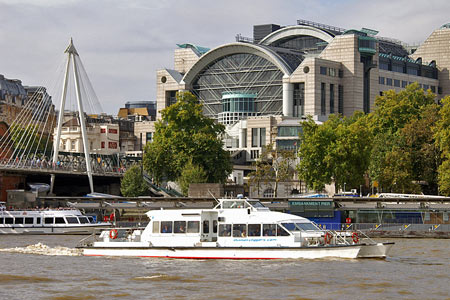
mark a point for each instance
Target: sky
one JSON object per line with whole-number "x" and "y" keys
{"x": 123, "y": 43}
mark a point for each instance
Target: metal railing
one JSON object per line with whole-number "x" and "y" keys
{"x": 386, "y": 227}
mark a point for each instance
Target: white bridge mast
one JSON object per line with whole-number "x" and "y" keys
{"x": 72, "y": 53}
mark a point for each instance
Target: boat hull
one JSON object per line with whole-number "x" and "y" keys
{"x": 227, "y": 253}
{"x": 378, "y": 250}
{"x": 76, "y": 230}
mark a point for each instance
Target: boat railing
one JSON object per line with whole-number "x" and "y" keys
{"x": 120, "y": 234}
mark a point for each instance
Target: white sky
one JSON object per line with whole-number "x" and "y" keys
{"x": 123, "y": 43}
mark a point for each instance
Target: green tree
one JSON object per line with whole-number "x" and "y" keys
{"x": 191, "y": 174}
{"x": 442, "y": 136}
{"x": 338, "y": 150}
{"x": 404, "y": 154}
{"x": 184, "y": 134}
{"x": 132, "y": 183}
{"x": 273, "y": 165}
{"x": 29, "y": 137}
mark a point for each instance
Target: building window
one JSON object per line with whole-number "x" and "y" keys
{"x": 332, "y": 72}
{"x": 103, "y": 145}
{"x": 396, "y": 82}
{"x": 262, "y": 137}
{"x": 381, "y": 80}
{"x": 322, "y": 99}
{"x": 289, "y": 131}
{"x": 254, "y": 137}
{"x": 412, "y": 71}
{"x": 102, "y": 130}
{"x": 389, "y": 81}
{"x": 73, "y": 145}
{"x": 404, "y": 83}
{"x": 397, "y": 68}
{"x": 384, "y": 65}
{"x": 433, "y": 88}
{"x": 148, "y": 136}
{"x": 341, "y": 99}
{"x": 268, "y": 193}
{"x": 112, "y": 145}
{"x": 426, "y": 87}
{"x": 111, "y": 130}
{"x": 331, "y": 98}
{"x": 323, "y": 70}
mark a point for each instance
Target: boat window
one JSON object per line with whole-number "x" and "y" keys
{"x": 91, "y": 219}
{"x": 290, "y": 226}
{"x": 234, "y": 204}
{"x": 254, "y": 229}
{"x": 48, "y": 220}
{"x": 306, "y": 226}
{"x": 9, "y": 221}
{"x": 38, "y": 220}
{"x": 193, "y": 227}
{"x": 72, "y": 220}
{"x": 281, "y": 231}
{"x": 28, "y": 220}
{"x": 215, "y": 226}
{"x": 179, "y": 226}
{"x": 225, "y": 230}
{"x": 18, "y": 220}
{"x": 1, "y": 220}
{"x": 256, "y": 204}
{"x": 239, "y": 230}
{"x": 166, "y": 227}
{"x": 269, "y": 229}
{"x": 60, "y": 220}
{"x": 155, "y": 226}
{"x": 84, "y": 220}
{"x": 206, "y": 226}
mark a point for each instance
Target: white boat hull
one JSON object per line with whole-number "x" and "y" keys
{"x": 81, "y": 230}
{"x": 227, "y": 253}
{"x": 378, "y": 250}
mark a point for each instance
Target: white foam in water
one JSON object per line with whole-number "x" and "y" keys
{"x": 42, "y": 249}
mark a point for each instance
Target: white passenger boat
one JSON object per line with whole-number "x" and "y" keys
{"x": 235, "y": 229}
{"x": 47, "y": 221}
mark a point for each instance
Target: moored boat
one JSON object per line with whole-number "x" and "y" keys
{"x": 47, "y": 221}
{"x": 236, "y": 228}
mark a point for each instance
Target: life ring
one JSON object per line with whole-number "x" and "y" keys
{"x": 113, "y": 234}
{"x": 355, "y": 237}
{"x": 328, "y": 237}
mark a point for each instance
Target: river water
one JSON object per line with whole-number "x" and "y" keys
{"x": 49, "y": 267}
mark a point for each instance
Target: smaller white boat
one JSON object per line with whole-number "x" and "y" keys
{"x": 235, "y": 229}
{"x": 47, "y": 221}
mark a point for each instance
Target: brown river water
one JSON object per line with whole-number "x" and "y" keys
{"x": 48, "y": 267}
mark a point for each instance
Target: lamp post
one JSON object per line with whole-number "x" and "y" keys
{"x": 344, "y": 187}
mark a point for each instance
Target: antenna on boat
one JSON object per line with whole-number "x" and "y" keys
{"x": 218, "y": 202}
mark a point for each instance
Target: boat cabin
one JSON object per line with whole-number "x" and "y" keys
{"x": 232, "y": 223}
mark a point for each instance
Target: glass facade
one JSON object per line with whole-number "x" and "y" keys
{"x": 236, "y": 73}
{"x": 284, "y": 131}
{"x": 236, "y": 106}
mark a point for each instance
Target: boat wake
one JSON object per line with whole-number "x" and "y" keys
{"x": 42, "y": 249}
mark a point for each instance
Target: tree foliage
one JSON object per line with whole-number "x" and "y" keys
{"x": 191, "y": 174}
{"x": 273, "y": 165}
{"x": 132, "y": 183}
{"x": 184, "y": 134}
{"x": 338, "y": 150}
{"x": 404, "y": 154}
{"x": 29, "y": 137}
{"x": 442, "y": 135}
